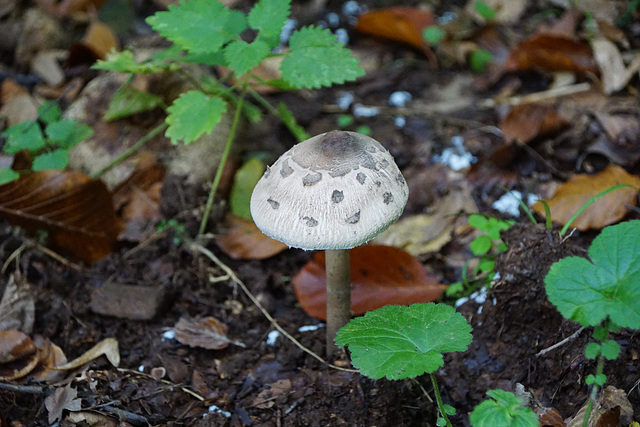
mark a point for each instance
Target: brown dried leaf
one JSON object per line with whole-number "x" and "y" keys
{"x": 100, "y": 39}
{"x": 241, "y": 239}
{"x": 615, "y": 75}
{"x": 380, "y": 275}
{"x": 15, "y": 345}
{"x": 17, "y": 308}
{"x": 206, "y": 332}
{"x": 550, "y": 417}
{"x": 75, "y": 210}
{"x": 63, "y": 398}
{"x": 49, "y": 357}
{"x": 266, "y": 398}
{"x": 138, "y": 197}
{"x": 527, "y": 122}
{"x": 611, "y": 409}
{"x": 549, "y": 52}
{"x": 107, "y": 347}
{"x": 609, "y": 209}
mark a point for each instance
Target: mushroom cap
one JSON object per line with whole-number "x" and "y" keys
{"x": 336, "y": 190}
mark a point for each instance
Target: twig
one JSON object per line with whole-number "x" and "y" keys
{"x": 206, "y": 252}
{"x": 561, "y": 343}
{"x": 33, "y": 389}
{"x": 555, "y": 92}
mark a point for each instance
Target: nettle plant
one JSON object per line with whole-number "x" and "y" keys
{"x": 602, "y": 291}
{"x": 46, "y": 140}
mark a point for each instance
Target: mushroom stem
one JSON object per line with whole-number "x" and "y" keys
{"x": 338, "y": 281}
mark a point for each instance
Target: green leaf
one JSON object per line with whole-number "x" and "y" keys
{"x": 505, "y": 410}
{"x": 607, "y": 286}
{"x": 404, "y": 342}
{"x": 317, "y": 59}
{"x": 123, "y": 62}
{"x": 599, "y": 333}
{"x": 598, "y": 379}
{"x": 49, "y": 112}
{"x": 269, "y": 16}
{"x": 485, "y": 10}
{"x": 449, "y": 410}
{"x": 486, "y": 264}
{"x": 57, "y": 159}
{"x": 245, "y": 180}
{"x": 7, "y": 175}
{"x": 198, "y": 25}
{"x": 610, "y": 349}
{"x": 127, "y": 101}
{"x": 441, "y": 422}
{"x": 67, "y": 133}
{"x": 479, "y": 222}
{"x": 480, "y": 245}
{"x": 592, "y": 350}
{"x": 192, "y": 115}
{"x": 479, "y": 59}
{"x": 23, "y": 136}
{"x": 242, "y": 56}
{"x": 434, "y": 34}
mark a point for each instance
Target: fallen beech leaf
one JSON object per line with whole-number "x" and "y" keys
{"x": 609, "y": 209}
{"x": 107, "y": 347}
{"x": 75, "y": 210}
{"x": 549, "y": 417}
{"x": 527, "y": 122}
{"x": 15, "y": 345}
{"x": 63, "y": 398}
{"x": 49, "y": 356}
{"x": 100, "y": 39}
{"x": 138, "y": 197}
{"x": 402, "y": 24}
{"x": 17, "y": 308}
{"x": 615, "y": 75}
{"x": 266, "y": 398}
{"x": 241, "y": 239}
{"x": 206, "y": 332}
{"x": 549, "y": 52}
{"x": 380, "y": 275}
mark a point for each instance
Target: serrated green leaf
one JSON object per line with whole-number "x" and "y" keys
{"x": 269, "y": 16}
{"x": 479, "y": 222}
{"x": 67, "y": 133}
{"x": 480, "y": 245}
{"x": 317, "y": 59}
{"x": 23, "y": 136}
{"x": 49, "y": 112}
{"x": 198, "y": 25}
{"x": 592, "y": 350}
{"x": 123, "y": 62}
{"x": 192, "y": 115}
{"x": 127, "y": 101}
{"x": 242, "y": 56}
{"x": 245, "y": 180}
{"x": 599, "y": 333}
{"x": 610, "y": 349}
{"x": 8, "y": 175}
{"x": 607, "y": 286}
{"x": 57, "y": 159}
{"x": 504, "y": 410}
{"x": 404, "y": 342}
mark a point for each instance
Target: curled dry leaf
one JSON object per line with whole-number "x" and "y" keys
{"x": 18, "y": 355}
{"x": 615, "y": 75}
{"x": 241, "y": 239}
{"x": 527, "y": 122}
{"x": 549, "y": 52}
{"x": 608, "y": 209}
{"x": 611, "y": 409}
{"x": 17, "y": 308}
{"x": 75, "y": 210}
{"x": 63, "y": 398}
{"x": 380, "y": 275}
{"x": 138, "y": 197}
{"x": 206, "y": 332}
{"x": 107, "y": 347}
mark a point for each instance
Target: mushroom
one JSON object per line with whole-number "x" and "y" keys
{"x": 332, "y": 192}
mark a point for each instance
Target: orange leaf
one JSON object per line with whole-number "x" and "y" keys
{"x": 138, "y": 197}
{"x": 380, "y": 275}
{"x": 402, "y": 24}
{"x": 241, "y": 239}
{"x": 608, "y": 209}
{"x": 75, "y": 210}
{"x": 100, "y": 39}
{"x": 550, "y": 52}
{"x": 527, "y": 122}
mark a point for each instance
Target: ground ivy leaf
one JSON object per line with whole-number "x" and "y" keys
{"x": 506, "y": 410}
{"x": 607, "y": 286}
{"x": 192, "y": 115}
{"x": 7, "y": 175}
{"x": 57, "y": 159}
{"x": 242, "y": 56}
{"x": 198, "y": 25}
{"x": 269, "y": 16}
{"x": 317, "y": 59}
{"x": 67, "y": 133}
{"x": 23, "y": 136}
{"x": 404, "y": 341}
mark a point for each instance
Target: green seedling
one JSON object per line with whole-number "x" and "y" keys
{"x": 479, "y": 59}
{"x": 484, "y": 10}
{"x": 434, "y": 34}
{"x": 400, "y": 342}
{"x": 180, "y": 234}
{"x": 601, "y": 291}
{"x": 47, "y": 140}
{"x": 504, "y": 409}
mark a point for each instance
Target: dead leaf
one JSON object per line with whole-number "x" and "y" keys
{"x": 107, "y": 347}
{"x": 241, "y": 239}
{"x": 15, "y": 345}
{"x": 615, "y": 75}
{"x": 402, "y": 24}
{"x": 611, "y": 409}
{"x": 49, "y": 356}
{"x": 100, "y": 39}
{"x": 206, "y": 332}
{"x": 17, "y": 308}
{"x": 63, "y": 398}
{"x": 380, "y": 275}
{"x": 549, "y": 417}
{"x": 138, "y": 197}
{"x": 527, "y": 122}
{"x": 266, "y": 398}
{"x": 75, "y": 210}
{"x": 609, "y": 209}
{"x": 549, "y": 52}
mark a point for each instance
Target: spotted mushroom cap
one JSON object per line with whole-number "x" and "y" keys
{"x": 336, "y": 190}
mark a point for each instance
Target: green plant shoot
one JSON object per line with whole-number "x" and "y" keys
{"x": 503, "y": 409}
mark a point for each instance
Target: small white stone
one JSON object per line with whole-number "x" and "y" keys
{"x": 399, "y": 98}
{"x": 360, "y": 110}
{"x": 169, "y": 335}
{"x": 272, "y": 337}
{"x": 400, "y": 121}
{"x": 509, "y": 203}
{"x": 345, "y": 99}
{"x": 308, "y": 328}
{"x": 342, "y": 35}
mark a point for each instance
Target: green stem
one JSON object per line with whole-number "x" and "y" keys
{"x": 222, "y": 163}
{"x": 589, "y": 202}
{"x": 594, "y": 392}
{"x": 436, "y": 391}
{"x": 131, "y": 150}
{"x": 293, "y": 127}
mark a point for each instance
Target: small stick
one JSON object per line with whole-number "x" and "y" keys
{"x": 563, "y": 342}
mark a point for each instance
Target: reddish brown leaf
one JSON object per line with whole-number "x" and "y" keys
{"x": 527, "y": 122}
{"x": 208, "y": 332}
{"x": 549, "y": 52}
{"x": 380, "y": 275}
{"x": 402, "y": 24}
{"x": 138, "y": 197}
{"x": 15, "y": 345}
{"x": 550, "y": 417}
{"x": 241, "y": 239}
{"x": 609, "y": 209}
{"x": 75, "y": 210}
